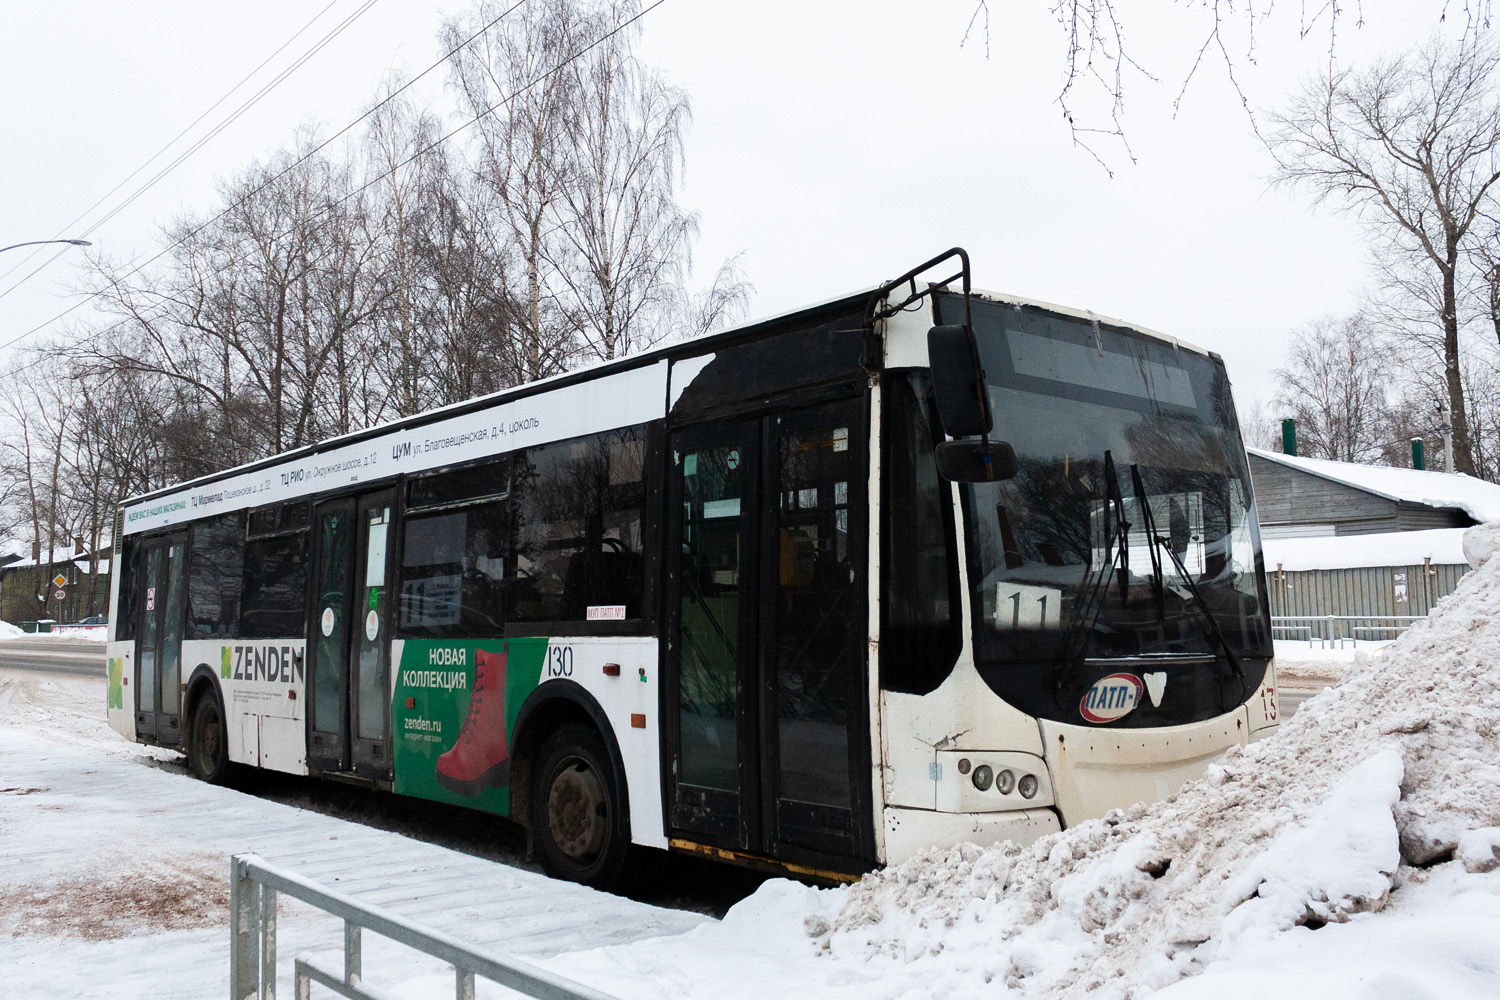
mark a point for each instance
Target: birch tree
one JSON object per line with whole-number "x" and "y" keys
{"x": 1335, "y": 388}
{"x": 1409, "y": 146}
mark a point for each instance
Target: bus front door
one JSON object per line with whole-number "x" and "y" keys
{"x": 158, "y": 643}
{"x": 349, "y": 715}
{"x": 767, "y": 710}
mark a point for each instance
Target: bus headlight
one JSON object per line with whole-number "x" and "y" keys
{"x": 1005, "y": 781}
{"x": 984, "y": 775}
{"x": 1027, "y": 786}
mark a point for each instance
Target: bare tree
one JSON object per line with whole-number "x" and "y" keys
{"x": 722, "y": 303}
{"x": 1097, "y": 61}
{"x": 1335, "y": 388}
{"x": 1259, "y": 426}
{"x": 629, "y": 241}
{"x": 510, "y": 81}
{"x": 333, "y": 287}
{"x": 581, "y": 144}
{"x": 1410, "y": 146}
{"x": 35, "y": 401}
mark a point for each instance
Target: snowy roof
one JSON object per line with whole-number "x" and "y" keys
{"x": 1390, "y": 548}
{"x": 61, "y": 554}
{"x": 1479, "y": 499}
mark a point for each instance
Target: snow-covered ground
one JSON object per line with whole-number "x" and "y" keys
{"x": 114, "y": 870}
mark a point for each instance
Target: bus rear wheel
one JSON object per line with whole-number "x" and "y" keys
{"x": 577, "y": 812}
{"x": 208, "y": 746}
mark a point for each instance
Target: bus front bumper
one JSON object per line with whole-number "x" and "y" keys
{"x": 1096, "y": 770}
{"x": 910, "y": 831}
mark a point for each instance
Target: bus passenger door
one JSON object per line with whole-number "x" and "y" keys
{"x": 766, "y": 716}
{"x": 349, "y": 718}
{"x": 710, "y": 573}
{"x": 813, "y": 626}
{"x": 158, "y": 644}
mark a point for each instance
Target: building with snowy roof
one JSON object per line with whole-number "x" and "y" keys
{"x": 1364, "y": 544}
{"x": 28, "y": 590}
{"x": 1312, "y": 497}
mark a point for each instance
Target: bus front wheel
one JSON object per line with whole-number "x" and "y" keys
{"x": 577, "y": 813}
{"x": 208, "y": 746}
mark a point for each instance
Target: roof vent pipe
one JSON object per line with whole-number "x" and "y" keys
{"x": 1289, "y": 437}
{"x": 1418, "y": 454}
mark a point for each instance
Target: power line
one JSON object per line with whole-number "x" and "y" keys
{"x": 172, "y": 142}
{"x": 214, "y": 132}
{"x": 268, "y": 182}
{"x": 367, "y": 185}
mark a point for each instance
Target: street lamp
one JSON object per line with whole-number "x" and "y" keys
{"x": 37, "y": 243}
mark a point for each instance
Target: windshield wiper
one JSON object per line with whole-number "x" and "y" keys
{"x": 1159, "y": 582}
{"x": 1117, "y": 550}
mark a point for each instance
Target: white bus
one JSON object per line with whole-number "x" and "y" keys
{"x": 909, "y": 568}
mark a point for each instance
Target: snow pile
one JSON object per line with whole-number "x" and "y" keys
{"x": 1381, "y": 796}
{"x": 86, "y": 633}
{"x": 1481, "y": 542}
{"x": 1396, "y": 768}
{"x": 9, "y": 631}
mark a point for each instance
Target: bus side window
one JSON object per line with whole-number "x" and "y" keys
{"x": 453, "y": 572}
{"x": 273, "y": 600}
{"x": 453, "y": 559}
{"x": 919, "y": 633}
{"x": 129, "y": 580}
{"x": 578, "y": 510}
{"x": 216, "y": 577}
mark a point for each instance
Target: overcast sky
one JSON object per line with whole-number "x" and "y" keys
{"x": 836, "y": 144}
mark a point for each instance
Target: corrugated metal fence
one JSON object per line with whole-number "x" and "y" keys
{"x": 1377, "y": 591}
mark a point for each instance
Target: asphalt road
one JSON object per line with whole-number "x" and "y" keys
{"x": 1290, "y": 701}
{"x": 74, "y": 657}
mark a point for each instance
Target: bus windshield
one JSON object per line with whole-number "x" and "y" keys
{"x": 1128, "y": 524}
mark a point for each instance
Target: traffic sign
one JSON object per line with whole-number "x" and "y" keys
{"x": 59, "y": 581}
{"x": 59, "y": 594}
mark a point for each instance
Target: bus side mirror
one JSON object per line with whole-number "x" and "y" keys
{"x": 976, "y": 461}
{"x": 957, "y": 382}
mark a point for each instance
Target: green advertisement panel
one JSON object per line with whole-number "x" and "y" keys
{"x": 453, "y": 714}
{"x": 116, "y": 675}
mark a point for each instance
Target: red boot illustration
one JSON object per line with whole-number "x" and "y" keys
{"x": 480, "y": 757}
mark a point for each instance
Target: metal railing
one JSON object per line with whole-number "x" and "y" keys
{"x": 253, "y": 889}
{"x": 1326, "y": 630}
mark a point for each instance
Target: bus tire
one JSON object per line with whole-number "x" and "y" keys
{"x": 577, "y": 811}
{"x": 208, "y": 742}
